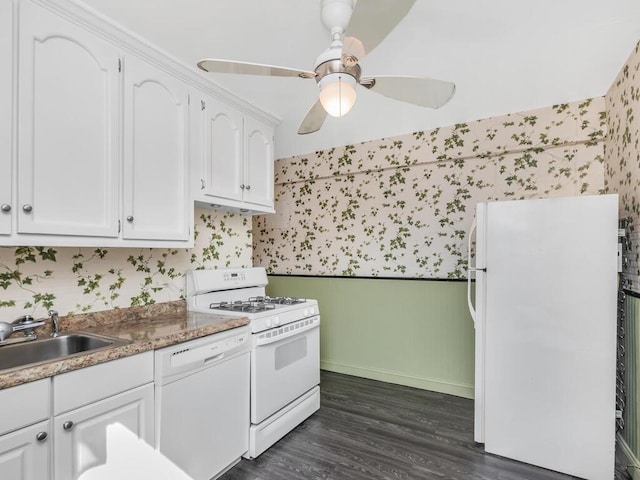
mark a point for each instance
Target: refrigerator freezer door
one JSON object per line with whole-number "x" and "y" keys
{"x": 550, "y": 333}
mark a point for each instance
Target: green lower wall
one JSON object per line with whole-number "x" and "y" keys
{"x": 410, "y": 332}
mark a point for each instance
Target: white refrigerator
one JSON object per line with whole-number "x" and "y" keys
{"x": 545, "y": 331}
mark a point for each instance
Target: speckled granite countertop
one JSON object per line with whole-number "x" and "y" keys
{"x": 146, "y": 328}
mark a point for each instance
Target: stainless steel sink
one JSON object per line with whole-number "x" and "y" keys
{"x": 46, "y": 349}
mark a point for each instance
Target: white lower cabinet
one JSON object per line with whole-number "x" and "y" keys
{"x": 103, "y": 418}
{"x": 99, "y": 440}
{"x": 99, "y": 422}
{"x": 25, "y": 453}
{"x": 25, "y": 434}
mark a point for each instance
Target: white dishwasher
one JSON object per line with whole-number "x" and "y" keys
{"x": 202, "y": 402}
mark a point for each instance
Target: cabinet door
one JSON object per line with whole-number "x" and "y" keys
{"x": 68, "y": 106}
{"x": 91, "y": 437}
{"x": 156, "y": 154}
{"x": 6, "y": 115}
{"x": 24, "y": 454}
{"x": 222, "y": 130}
{"x": 259, "y": 163}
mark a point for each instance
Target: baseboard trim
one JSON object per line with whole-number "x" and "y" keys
{"x": 633, "y": 464}
{"x": 398, "y": 378}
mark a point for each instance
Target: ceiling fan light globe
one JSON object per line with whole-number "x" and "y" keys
{"x": 337, "y": 93}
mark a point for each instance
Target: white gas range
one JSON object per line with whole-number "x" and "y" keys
{"x": 285, "y": 354}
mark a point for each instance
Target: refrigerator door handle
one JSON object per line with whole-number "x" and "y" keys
{"x": 470, "y": 270}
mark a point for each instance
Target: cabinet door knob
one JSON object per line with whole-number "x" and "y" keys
{"x": 130, "y": 218}
{"x": 248, "y": 187}
{"x": 27, "y": 208}
{"x": 5, "y": 207}
{"x": 41, "y": 436}
{"x": 242, "y": 187}
{"x": 68, "y": 425}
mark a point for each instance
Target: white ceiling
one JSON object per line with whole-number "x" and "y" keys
{"x": 504, "y": 56}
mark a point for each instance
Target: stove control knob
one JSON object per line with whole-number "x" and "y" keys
{"x": 267, "y": 322}
{"x": 276, "y": 321}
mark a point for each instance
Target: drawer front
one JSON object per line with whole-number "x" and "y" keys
{"x": 27, "y": 404}
{"x": 87, "y": 385}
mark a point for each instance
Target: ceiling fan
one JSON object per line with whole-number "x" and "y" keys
{"x": 354, "y": 32}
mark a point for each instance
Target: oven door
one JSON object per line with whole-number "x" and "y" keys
{"x": 285, "y": 363}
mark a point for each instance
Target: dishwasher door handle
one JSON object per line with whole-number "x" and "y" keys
{"x": 209, "y": 360}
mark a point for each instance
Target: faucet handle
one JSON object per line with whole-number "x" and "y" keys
{"x": 53, "y": 314}
{"x": 23, "y": 319}
{"x": 27, "y": 326}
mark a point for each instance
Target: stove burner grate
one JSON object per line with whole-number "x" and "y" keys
{"x": 256, "y": 304}
{"x": 278, "y": 300}
{"x": 242, "y": 306}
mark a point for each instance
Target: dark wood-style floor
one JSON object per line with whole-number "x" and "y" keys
{"x": 368, "y": 430}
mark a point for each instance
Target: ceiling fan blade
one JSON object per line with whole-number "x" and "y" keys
{"x": 353, "y": 50}
{"x": 246, "y": 68}
{"x": 423, "y": 91}
{"x": 372, "y": 20}
{"x": 313, "y": 120}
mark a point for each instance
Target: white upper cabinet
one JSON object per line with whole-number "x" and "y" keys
{"x": 68, "y": 143}
{"x": 237, "y": 160}
{"x": 97, "y": 139}
{"x": 6, "y": 115}
{"x": 156, "y": 156}
{"x": 259, "y": 163}
{"x": 223, "y": 143}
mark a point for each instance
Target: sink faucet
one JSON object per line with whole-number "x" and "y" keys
{"x": 53, "y": 314}
{"x": 26, "y": 324}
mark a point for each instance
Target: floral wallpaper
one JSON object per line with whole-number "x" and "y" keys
{"x": 622, "y": 150}
{"x": 402, "y": 206}
{"x": 74, "y": 280}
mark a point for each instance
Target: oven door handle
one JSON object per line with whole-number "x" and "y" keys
{"x": 262, "y": 339}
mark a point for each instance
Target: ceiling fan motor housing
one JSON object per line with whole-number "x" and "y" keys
{"x": 335, "y": 65}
